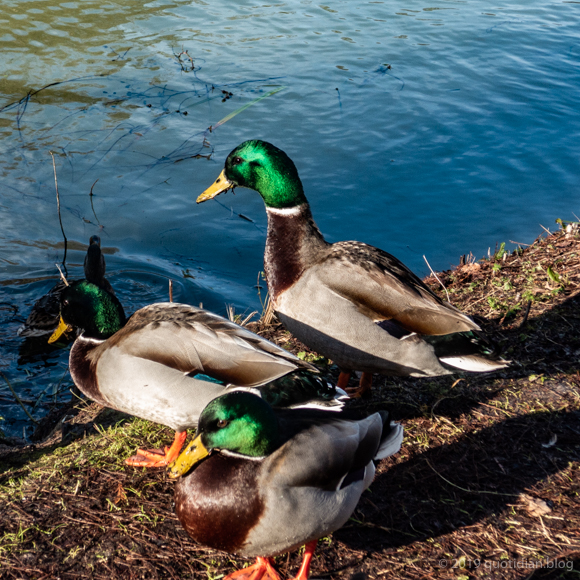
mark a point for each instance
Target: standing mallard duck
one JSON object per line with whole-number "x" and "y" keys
{"x": 266, "y": 481}
{"x": 351, "y": 302}
{"x": 146, "y": 367}
{"x": 44, "y": 316}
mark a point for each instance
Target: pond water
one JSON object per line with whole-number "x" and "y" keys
{"x": 424, "y": 127}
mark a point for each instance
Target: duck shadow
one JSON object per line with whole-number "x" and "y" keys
{"x": 456, "y": 485}
{"x": 546, "y": 347}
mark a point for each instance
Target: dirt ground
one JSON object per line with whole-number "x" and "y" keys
{"x": 487, "y": 483}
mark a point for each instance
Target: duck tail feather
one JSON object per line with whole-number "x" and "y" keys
{"x": 474, "y": 363}
{"x": 469, "y": 351}
{"x": 391, "y": 443}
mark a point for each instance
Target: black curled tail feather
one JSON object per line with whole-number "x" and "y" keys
{"x": 391, "y": 437}
{"x": 472, "y": 342}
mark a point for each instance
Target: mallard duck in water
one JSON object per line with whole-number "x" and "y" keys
{"x": 353, "y": 303}
{"x": 159, "y": 365}
{"x": 44, "y": 316}
{"x": 258, "y": 482}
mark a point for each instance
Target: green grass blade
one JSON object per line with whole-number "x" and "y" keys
{"x": 238, "y": 111}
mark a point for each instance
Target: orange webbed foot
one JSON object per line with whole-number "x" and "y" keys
{"x": 306, "y": 559}
{"x": 148, "y": 458}
{"x": 364, "y": 387}
{"x": 262, "y": 569}
{"x": 157, "y": 457}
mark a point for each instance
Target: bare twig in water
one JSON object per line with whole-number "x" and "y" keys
{"x": 121, "y": 56}
{"x": 196, "y": 156}
{"x": 437, "y": 278}
{"x": 170, "y": 290}
{"x": 18, "y": 398}
{"x": 59, "y": 216}
{"x": 92, "y": 207}
{"x": 185, "y": 68}
{"x": 24, "y": 100}
{"x": 62, "y": 276}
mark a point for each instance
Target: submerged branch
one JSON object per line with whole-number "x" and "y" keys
{"x": 18, "y": 398}
{"x": 59, "y": 216}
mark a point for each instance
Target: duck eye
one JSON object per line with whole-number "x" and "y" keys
{"x": 222, "y": 423}
{"x": 236, "y": 160}
{"x": 65, "y": 302}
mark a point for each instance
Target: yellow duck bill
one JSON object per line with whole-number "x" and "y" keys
{"x": 220, "y": 185}
{"x": 60, "y": 330}
{"x": 193, "y": 453}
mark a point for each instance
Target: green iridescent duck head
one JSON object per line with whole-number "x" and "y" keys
{"x": 263, "y": 167}
{"x": 89, "y": 309}
{"x": 238, "y": 422}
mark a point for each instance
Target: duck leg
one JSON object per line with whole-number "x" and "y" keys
{"x": 261, "y": 569}
{"x": 364, "y": 386}
{"x": 157, "y": 457}
{"x": 305, "y": 567}
{"x": 343, "y": 378}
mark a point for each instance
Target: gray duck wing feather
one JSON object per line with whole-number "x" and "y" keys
{"x": 340, "y": 447}
{"x": 383, "y": 288}
{"x": 153, "y": 391}
{"x": 193, "y": 340}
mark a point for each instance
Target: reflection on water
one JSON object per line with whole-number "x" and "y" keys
{"x": 420, "y": 127}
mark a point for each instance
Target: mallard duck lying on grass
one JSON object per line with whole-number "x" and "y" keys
{"x": 44, "y": 316}
{"x": 150, "y": 366}
{"x": 259, "y": 482}
{"x": 353, "y": 303}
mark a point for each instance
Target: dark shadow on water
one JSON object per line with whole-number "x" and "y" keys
{"x": 38, "y": 350}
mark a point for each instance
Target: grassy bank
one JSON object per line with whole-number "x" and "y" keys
{"x": 486, "y": 485}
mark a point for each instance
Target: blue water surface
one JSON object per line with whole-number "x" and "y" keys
{"x": 424, "y": 128}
